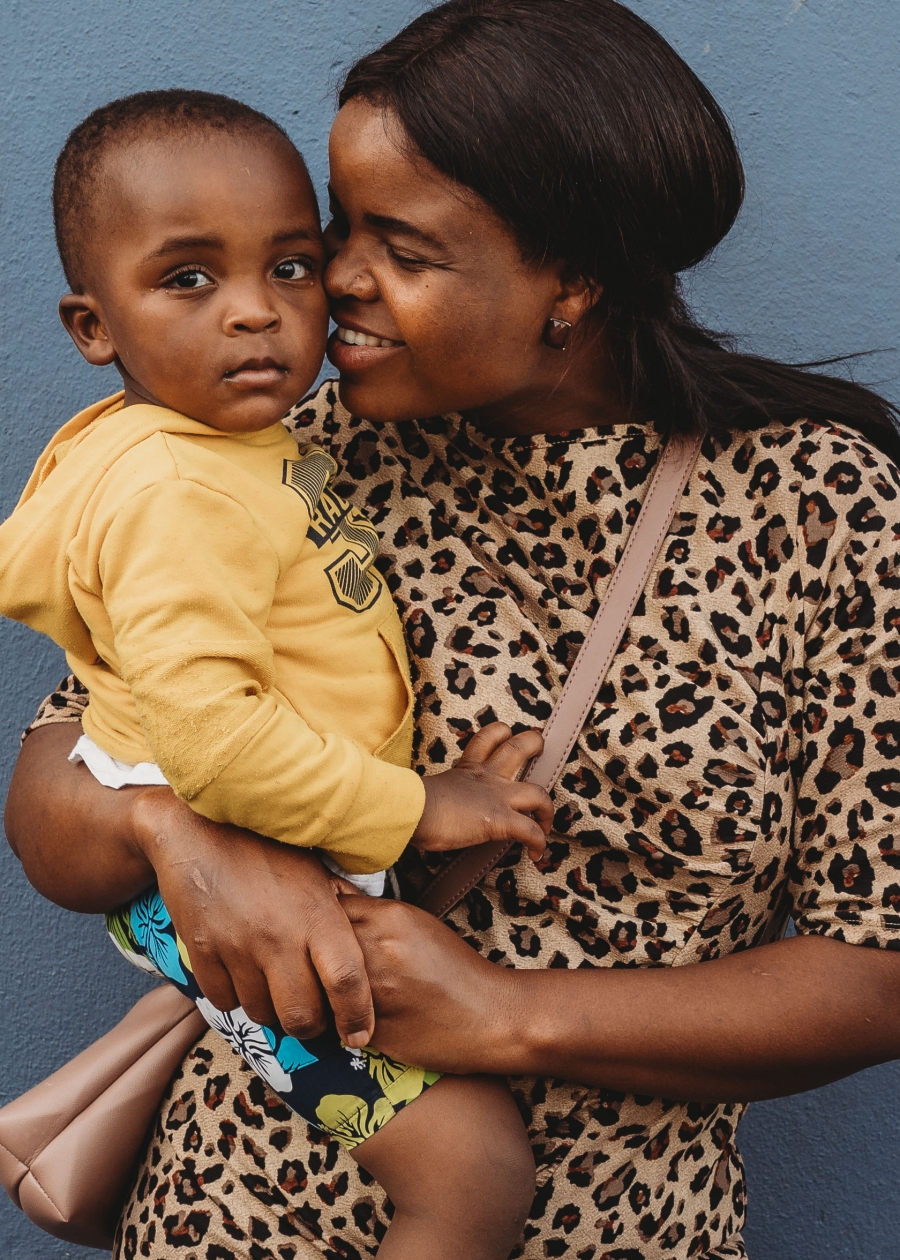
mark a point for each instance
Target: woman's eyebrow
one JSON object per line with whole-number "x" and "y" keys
{"x": 402, "y": 228}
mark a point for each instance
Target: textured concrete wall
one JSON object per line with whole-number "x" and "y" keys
{"x": 812, "y": 270}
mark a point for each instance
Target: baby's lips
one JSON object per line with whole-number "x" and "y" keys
{"x": 257, "y": 373}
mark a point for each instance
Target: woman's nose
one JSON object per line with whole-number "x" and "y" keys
{"x": 345, "y": 276}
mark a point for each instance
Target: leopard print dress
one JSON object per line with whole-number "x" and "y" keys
{"x": 740, "y": 766}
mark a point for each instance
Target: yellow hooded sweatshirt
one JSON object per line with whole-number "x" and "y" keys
{"x": 219, "y": 602}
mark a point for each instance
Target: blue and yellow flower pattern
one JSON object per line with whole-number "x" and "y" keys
{"x": 348, "y": 1093}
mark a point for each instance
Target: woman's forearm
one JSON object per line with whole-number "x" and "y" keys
{"x": 261, "y": 920}
{"x": 78, "y": 841}
{"x": 765, "y": 1022}
{"x": 771, "y": 1021}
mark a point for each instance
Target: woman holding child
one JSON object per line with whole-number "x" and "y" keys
{"x": 516, "y": 185}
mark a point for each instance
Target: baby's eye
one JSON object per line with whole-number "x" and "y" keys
{"x": 192, "y": 279}
{"x": 291, "y": 269}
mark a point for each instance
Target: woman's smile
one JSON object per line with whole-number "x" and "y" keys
{"x": 355, "y": 349}
{"x": 355, "y": 337}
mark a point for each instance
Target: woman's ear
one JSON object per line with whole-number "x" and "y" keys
{"x": 577, "y": 298}
{"x": 83, "y": 322}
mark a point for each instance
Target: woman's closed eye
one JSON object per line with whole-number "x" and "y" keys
{"x": 409, "y": 262}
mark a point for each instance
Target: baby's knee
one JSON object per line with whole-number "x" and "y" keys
{"x": 497, "y": 1138}
{"x": 502, "y": 1187}
{"x": 488, "y": 1163}
{"x": 460, "y": 1156}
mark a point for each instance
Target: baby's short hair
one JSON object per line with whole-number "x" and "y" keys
{"x": 78, "y": 168}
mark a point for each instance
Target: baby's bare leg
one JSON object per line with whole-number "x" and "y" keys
{"x": 457, "y": 1165}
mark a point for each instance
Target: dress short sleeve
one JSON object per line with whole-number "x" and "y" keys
{"x": 66, "y": 704}
{"x": 846, "y": 714}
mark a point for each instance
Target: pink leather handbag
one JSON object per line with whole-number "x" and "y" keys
{"x": 69, "y": 1146}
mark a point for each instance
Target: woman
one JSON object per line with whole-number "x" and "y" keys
{"x": 516, "y": 184}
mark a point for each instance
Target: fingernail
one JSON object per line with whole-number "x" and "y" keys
{"x": 356, "y": 1041}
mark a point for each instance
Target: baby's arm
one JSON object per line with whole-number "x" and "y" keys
{"x": 187, "y": 581}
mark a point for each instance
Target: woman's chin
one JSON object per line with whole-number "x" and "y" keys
{"x": 369, "y": 403}
{"x": 381, "y": 397}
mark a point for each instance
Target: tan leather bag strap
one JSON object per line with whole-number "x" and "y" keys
{"x": 591, "y": 665}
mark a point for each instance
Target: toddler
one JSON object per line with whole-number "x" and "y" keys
{"x": 218, "y": 598}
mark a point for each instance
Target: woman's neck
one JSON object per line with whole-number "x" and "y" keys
{"x": 578, "y": 389}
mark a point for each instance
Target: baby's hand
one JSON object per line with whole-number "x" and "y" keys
{"x": 480, "y": 798}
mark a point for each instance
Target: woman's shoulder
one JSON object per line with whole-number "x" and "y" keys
{"x": 813, "y": 451}
{"x": 810, "y": 471}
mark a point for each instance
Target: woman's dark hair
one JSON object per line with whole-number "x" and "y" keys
{"x": 591, "y": 138}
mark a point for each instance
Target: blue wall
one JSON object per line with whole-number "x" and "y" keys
{"x": 812, "y": 270}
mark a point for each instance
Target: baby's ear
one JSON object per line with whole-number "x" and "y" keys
{"x": 83, "y": 321}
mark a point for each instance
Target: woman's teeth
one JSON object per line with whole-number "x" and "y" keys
{"x": 363, "y": 339}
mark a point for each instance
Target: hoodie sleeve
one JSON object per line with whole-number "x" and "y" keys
{"x": 188, "y": 579}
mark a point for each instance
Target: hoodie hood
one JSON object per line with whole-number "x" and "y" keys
{"x": 34, "y": 541}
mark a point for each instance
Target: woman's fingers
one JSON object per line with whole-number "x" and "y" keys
{"x": 253, "y": 991}
{"x": 317, "y": 964}
{"x": 338, "y": 960}
{"x": 297, "y": 1001}
{"x": 342, "y": 885}
{"x": 214, "y": 980}
{"x": 439, "y": 1001}
{"x": 296, "y": 978}
{"x": 265, "y": 929}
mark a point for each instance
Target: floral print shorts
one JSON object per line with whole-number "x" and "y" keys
{"x": 349, "y": 1094}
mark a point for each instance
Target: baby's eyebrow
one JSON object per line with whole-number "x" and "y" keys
{"x": 178, "y": 244}
{"x": 182, "y": 244}
{"x": 297, "y": 234}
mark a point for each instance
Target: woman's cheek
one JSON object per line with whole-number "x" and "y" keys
{"x": 461, "y": 350}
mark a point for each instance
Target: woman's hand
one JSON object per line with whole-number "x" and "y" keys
{"x": 480, "y": 798}
{"x": 264, "y": 927}
{"x": 438, "y": 1003}
{"x": 262, "y": 922}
